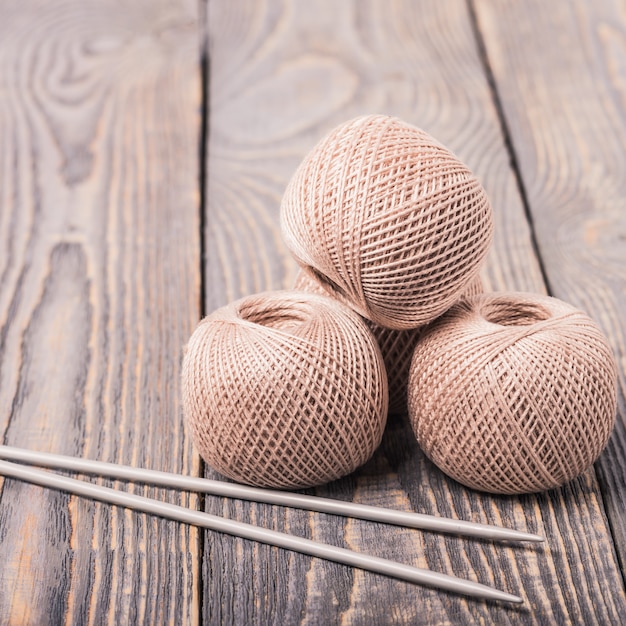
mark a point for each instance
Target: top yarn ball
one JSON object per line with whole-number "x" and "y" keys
{"x": 389, "y": 219}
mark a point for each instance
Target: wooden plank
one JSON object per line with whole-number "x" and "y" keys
{"x": 99, "y": 290}
{"x": 281, "y": 76}
{"x": 565, "y": 106}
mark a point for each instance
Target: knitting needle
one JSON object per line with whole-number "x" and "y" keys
{"x": 281, "y": 498}
{"x": 255, "y": 533}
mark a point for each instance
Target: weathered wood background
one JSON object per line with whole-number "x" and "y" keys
{"x": 144, "y": 148}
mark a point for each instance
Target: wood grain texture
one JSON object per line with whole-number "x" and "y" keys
{"x": 565, "y": 106}
{"x": 99, "y": 289}
{"x": 281, "y": 75}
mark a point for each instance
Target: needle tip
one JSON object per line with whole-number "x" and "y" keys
{"x": 507, "y": 534}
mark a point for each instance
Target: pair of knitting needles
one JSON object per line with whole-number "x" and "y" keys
{"x": 248, "y": 531}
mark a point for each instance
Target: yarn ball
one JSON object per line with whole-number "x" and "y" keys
{"x": 396, "y": 346}
{"x": 390, "y": 220}
{"x": 284, "y": 389}
{"x": 513, "y": 393}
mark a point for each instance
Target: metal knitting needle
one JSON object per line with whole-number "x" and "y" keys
{"x": 255, "y": 533}
{"x": 269, "y": 496}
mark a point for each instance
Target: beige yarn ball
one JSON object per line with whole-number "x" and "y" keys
{"x": 284, "y": 389}
{"x": 513, "y": 393}
{"x": 396, "y": 346}
{"x": 389, "y": 219}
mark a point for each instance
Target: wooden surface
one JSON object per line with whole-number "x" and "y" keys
{"x": 144, "y": 149}
{"x": 99, "y": 288}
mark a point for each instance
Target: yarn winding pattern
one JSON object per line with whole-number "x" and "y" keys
{"x": 513, "y": 393}
{"x": 284, "y": 389}
{"x": 396, "y": 346}
{"x": 390, "y": 220}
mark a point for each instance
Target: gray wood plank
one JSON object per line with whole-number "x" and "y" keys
{"x": 282, "y": 75}
{"x": 99, "y": 290}
{"x": 566, "y": 109}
